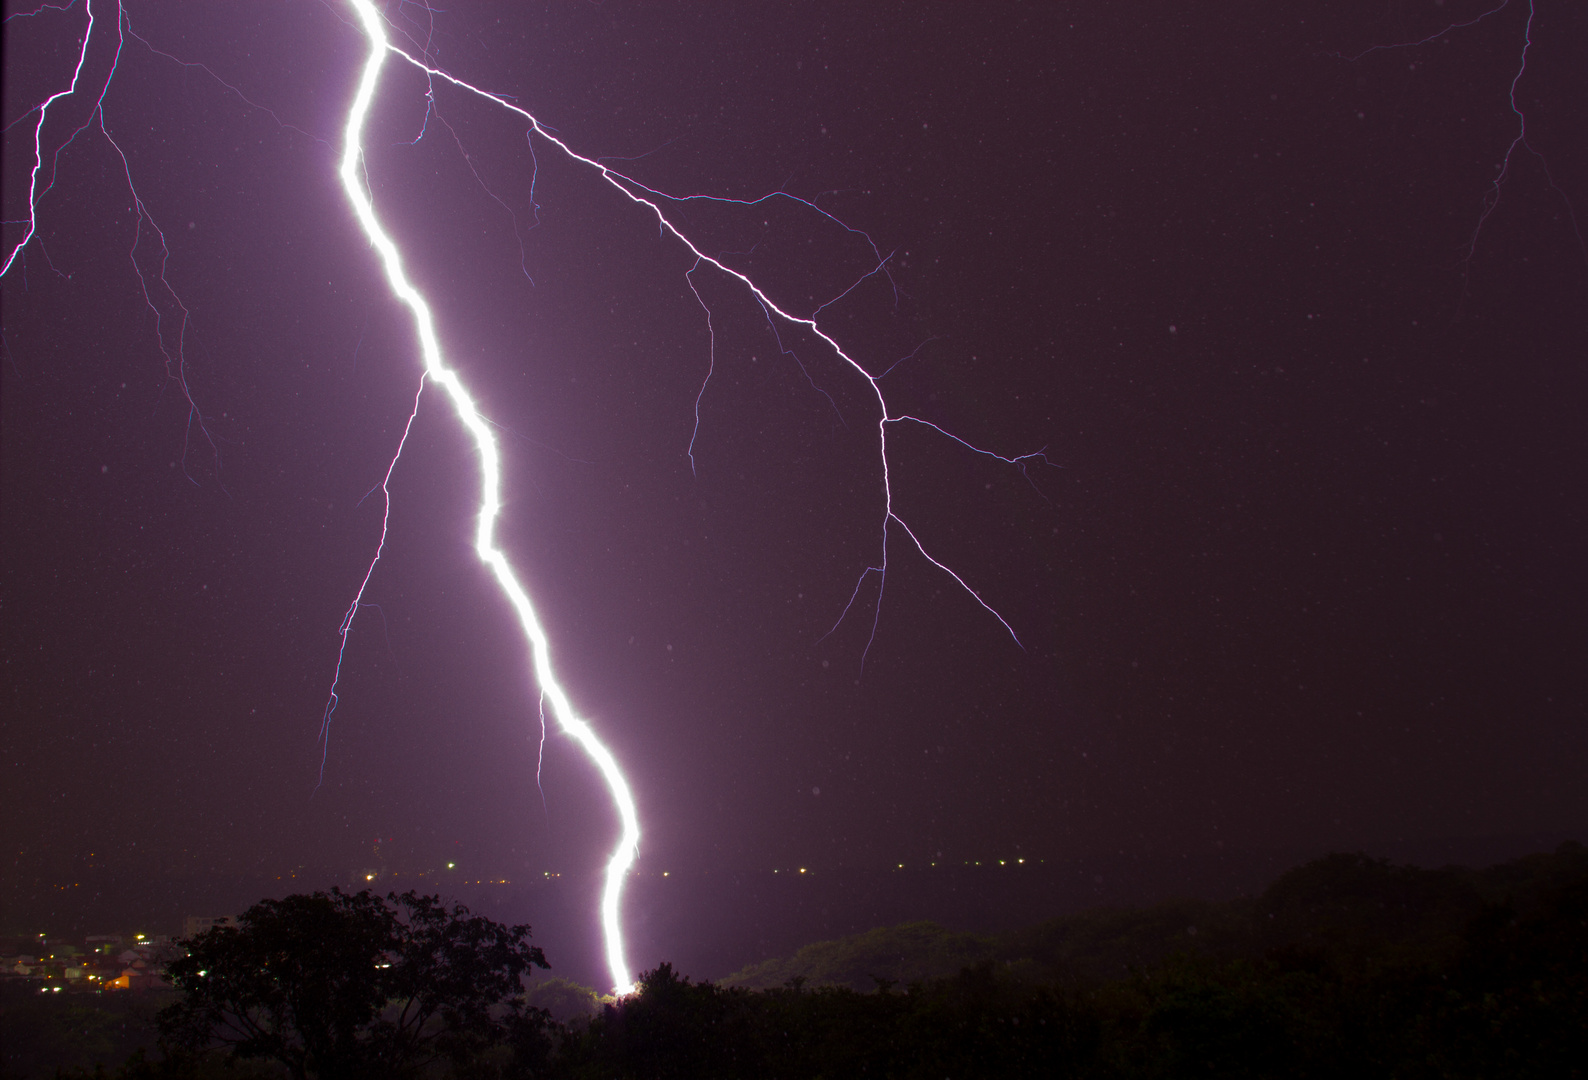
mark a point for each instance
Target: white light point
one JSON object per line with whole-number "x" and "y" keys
{"x": 436, "y": 370}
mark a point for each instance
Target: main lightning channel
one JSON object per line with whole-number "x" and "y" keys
{"x": 437, "y": 371}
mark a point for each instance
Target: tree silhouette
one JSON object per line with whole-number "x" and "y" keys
{"x": 353, "y": 985}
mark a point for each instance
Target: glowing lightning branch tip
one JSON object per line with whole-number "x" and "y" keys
{"x": 436, "y": 369}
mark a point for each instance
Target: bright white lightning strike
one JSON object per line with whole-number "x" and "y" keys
{"x": 162, "y": 297}
{"x": 437, "y": 370}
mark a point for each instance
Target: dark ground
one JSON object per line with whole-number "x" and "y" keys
{"x": 1342, "y": 966}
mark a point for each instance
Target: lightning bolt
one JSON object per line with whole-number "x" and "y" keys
{"x": 1491, "y": 196}
{"x": 149, "y": 252}
{"x": 369, "y": 572}
{"x": 168, "y": 308}
{"x": 90, "y": 82}
{"x": 438, "y": 372}
{"x": 436, "y": 369}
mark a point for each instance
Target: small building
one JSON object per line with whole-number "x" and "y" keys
{"x": 136, "y": 979}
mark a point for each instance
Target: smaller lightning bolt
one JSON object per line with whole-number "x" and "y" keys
{"x": 438, "y": 372}
{"x": 369, "y": 572}
{"x": 652, "y": 200}
{"x": 158, "y": 294}
{"x": 35, "y": 195}
{"x": 1491, "y": 197}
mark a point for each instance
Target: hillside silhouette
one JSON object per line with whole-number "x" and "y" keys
{"x": 1345, "y": 966}
{"x": 1347, "y": 909}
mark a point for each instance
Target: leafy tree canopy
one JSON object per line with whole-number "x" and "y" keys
{"x": 353, "y": 985}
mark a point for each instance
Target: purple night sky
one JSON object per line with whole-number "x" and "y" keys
{"x": 1306, "y": 571}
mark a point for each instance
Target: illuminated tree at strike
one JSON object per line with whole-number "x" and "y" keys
{"x": 171, "y": 327}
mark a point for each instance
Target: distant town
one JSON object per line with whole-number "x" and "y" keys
{"x": 96, "y": 963}
{"x": 112, "y": 962}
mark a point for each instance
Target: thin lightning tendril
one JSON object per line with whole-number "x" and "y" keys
{"x": 1491, "y": 197}
{"x": 369, "y": 572}
{"x": 711, "y": 362}
{"x": 651, "y": 200}
{"x": 159, "y": 296}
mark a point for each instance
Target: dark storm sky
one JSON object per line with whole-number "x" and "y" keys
{"x": 1307, "y": 570}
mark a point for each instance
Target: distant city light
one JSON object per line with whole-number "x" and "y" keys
{"x": 451, "y": 865}
{"x": 367, "y": 877}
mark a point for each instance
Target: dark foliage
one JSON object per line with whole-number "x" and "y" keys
{"x": 1346, "y": 967}
{"x": 352, "y": 985}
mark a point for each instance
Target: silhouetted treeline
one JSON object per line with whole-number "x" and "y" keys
{"x": 1350, "y": 908}
{"x": 1346, "y": 966}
